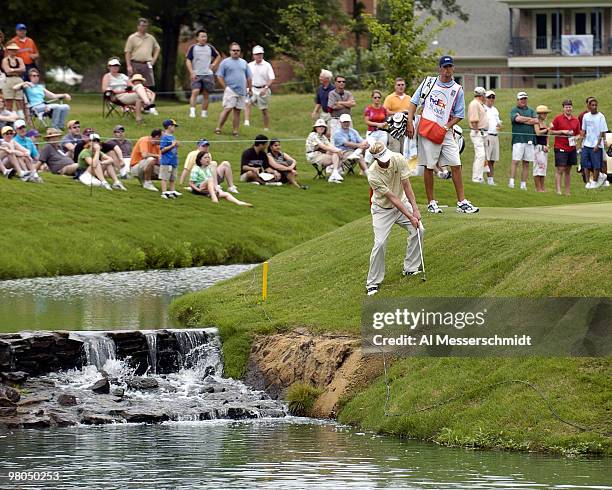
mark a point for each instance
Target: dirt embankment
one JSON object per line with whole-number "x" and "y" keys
{"x": 331, "y": 362}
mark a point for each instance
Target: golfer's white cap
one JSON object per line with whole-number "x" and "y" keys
{"x": 345, "y": 118}
{"x": 380, "y": 152}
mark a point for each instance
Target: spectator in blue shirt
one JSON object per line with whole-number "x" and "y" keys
{"x": 21, "y": 129}
{"x": 350, "y": 142}
{"x": 234, "y": 75}
{"x": 321, "y": 109}
{"x": 168, "y": 146}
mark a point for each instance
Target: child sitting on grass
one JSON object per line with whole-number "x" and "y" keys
{"x": 202, "y": 181}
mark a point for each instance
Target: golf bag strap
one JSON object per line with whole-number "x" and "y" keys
{"x": 428, "y": 86}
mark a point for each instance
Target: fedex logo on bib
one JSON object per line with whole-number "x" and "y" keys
{"x": 437, "y": 103}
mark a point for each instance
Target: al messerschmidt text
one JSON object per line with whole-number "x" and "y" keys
{"x": 496, "y": 340}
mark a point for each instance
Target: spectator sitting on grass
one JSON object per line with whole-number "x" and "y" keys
{"x": 124, "y": 145}
{"x": 145, "y": 159}
{"x": 71, "y": 138}
{"x": 223, "y": 171}
{"x": 36, "y": 93}
{"x": 282, "y": 165}
{"x": 127, "y": 92}
{"x": 21, "y": 129}
{"x": 254, "y": 160}
{"x": 202, "y": 181}
{"x": 109, "y": 149}
{"x": 93, "y": 161}
{"x": 7, "y": 117}
{"x": 350, "y": 142}
{"x": 57, "y": 162}
{"x": 319, "y": 150}
{"x": 15, "y": 158}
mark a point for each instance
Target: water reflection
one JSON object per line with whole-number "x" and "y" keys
{"x": 127, "y": 300}
{"x": 287, "y": 453}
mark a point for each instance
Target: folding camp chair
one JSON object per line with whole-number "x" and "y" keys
{"x": 320, "y": 171}
{"x": 349, "y": 166}
{"x": 39, "y": 120}
{"x": 111, "y": 105}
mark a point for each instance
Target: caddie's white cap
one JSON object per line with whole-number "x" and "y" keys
{"x": 380, "y": 152}
{"x": 345, "y": 118}
{"x": 258, "y": 50}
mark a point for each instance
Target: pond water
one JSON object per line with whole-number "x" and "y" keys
{"x": 285, "y": 453}
{"x": 118, "y": 300}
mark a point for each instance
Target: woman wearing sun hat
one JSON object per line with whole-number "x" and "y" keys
{"x": 540, "y": 161}
{"x": 14, "y": 68}
{"x": 319, "y": 150}
{"x": 138, "y": 80}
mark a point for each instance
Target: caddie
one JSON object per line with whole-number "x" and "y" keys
{"x": 393, "y": 202}
{"x": 443, "y": 104}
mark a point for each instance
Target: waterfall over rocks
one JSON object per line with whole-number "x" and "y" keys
{"x": 147, "y": 376}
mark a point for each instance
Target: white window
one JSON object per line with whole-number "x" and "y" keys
{"x": 490, "y": 82}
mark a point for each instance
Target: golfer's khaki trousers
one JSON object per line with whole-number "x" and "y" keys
{"x": 382, "y": 222}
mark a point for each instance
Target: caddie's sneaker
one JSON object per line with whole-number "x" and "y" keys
{"x": 590, "y": 185}
{"x": 466, "y": 206}
{"x": 606, "y": 183}
{"x": 511, "y": 183}
{"x": 372, "y": 290}
{"x": 233, "y": 189}
{"x": 433, "y": 207}
{"x": 601, "y": 179}
{"x": 149, "y": 186}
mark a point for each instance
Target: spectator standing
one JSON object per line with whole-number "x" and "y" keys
{"x": 566, "y": 129}
{"x": 523, "y": 120}
{"x": 340, "y": 101}
{"x": 36, "y": 93}
{"x": 168, "y": 164}
{"x": 350, "y": 142}
{"x": 321, "y": 109}
{"x": 2, "y": 49}
{"x": 28, "y": 51}
{"x": 263, "y": 78}
{"x": 14, "y": 68}
{"x": 581, "y": 171}
{"x": 57, "y": 161}
{"x": 479, "y": 123}
{"x": 540, "y": 160}
{"x": 319, "y": 151}
{"x": 235, "y": 78}
{"x": 145, "y": 159}
{"x": 141, "y": 53}
{"x": 437, "y": 146}
{"x": 594, "y": 127}
{"x": 492, "y": 138}
{"x": 202, "y": 60}
{"x": 375, "y": 116}
{"x": 253, "y": 161}
{"x": 223, "y": 170}
{"x": 397, "y": 102}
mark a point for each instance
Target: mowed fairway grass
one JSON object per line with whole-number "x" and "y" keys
{"x": 62, "y": 227}
{"x": 529, "y": 252}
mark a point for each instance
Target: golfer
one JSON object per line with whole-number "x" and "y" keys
{"x": 443, "y": 106}
{"x": 393, "y": 202}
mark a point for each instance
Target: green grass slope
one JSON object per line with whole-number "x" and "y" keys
{"x": 58, "y": 228}
{"x": 499, "y": 252}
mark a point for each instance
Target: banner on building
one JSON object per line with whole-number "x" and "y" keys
{"x": 577, "y": 45}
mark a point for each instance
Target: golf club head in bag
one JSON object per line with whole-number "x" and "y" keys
{"x": 396, "y": 125}
{"x": 458, "y": 135}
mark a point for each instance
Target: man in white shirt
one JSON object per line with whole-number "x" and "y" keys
{"x": 594, "y": 129}
{"x": 263, "y": 78}
{"x": 492, "y": 138}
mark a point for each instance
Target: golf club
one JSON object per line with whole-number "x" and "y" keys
{"x": 423, "y": 277}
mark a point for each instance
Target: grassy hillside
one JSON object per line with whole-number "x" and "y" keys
{"x": 58, "y": 228}
{"x": 532, "y": 252}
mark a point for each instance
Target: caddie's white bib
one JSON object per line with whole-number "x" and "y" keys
{"x": 439, "y": 103}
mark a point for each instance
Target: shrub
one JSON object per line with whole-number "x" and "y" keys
{"x": 301, "y": 398}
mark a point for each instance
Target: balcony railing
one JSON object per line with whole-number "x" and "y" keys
{"x": 551, "y": 46}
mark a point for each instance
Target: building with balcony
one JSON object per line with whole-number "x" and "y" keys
{"x": 531, "y": 43}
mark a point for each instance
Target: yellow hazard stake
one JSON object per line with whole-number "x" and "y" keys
{"x": 264, "y": 283}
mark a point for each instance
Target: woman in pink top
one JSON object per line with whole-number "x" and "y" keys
{"x": 375, "y": 116}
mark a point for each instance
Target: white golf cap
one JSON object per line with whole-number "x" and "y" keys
{"x": 345, "y": 118}
{"x": 489, "y": 93}
{"x": 479, "y": 91}
{"x": 380, "y": 152}
{"x": 19, "y": 123}
{"x": 94, "y": 136}
{"x": 114, "y": 62}
{"x": 258, "y": 50}
{"x": 521, "y": 95}
{"x": 319, "y": 123}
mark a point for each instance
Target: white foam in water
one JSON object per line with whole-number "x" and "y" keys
{"x": 151, "y": 337}
{"x": 99, "y": 348}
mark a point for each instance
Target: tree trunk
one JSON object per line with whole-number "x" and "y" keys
{"x": 170, "y": 40}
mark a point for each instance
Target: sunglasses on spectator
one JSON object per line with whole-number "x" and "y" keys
{"x": 10, "y": 132}
{"x": 376, "y": 97}
{"x": 491, "y": 97}
{"x": 34, "y": 74}
{"x": 235, "y": 50}
{"x": 340, "y": 81}
{"x": 119, "y": 130}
